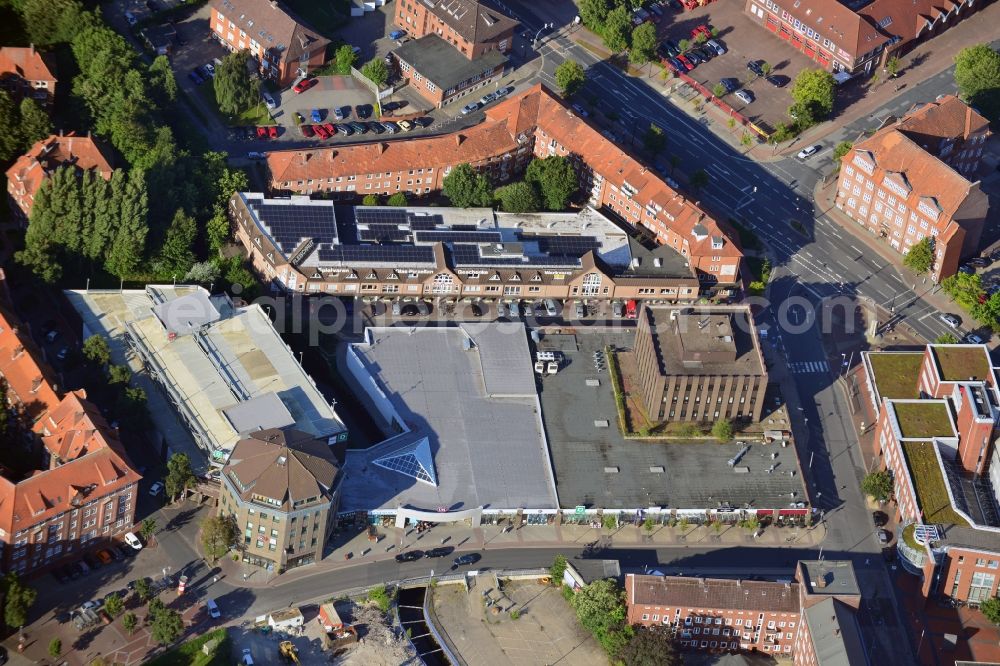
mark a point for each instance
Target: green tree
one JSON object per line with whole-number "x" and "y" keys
{"x": 781, "y": 134}
{"x": 643, "y": 43}
{"x": 129, "y": 623}
{"x": 892, "y": 66}
{"x": 218, "y": 535}
{"x": 839, "y": 151}
{"x": 600, "y": 608}
{"x": 11, "y": 140}
{"x": 203, "y": 272}
{"x": 719, "y": 90}
{"x": 946, "y": 339}
{"x": 18, "y": 598}
{"x": 53, "y": 21}
{"x": 376, "y": 71}
{"x": 722, "y": 430}
{"x": 155, "y": 606}
{"x": 594, "y": 13}
{"x": 977, "y": 75}
{"x": 557, "y": 569}
{"x": 143, "y": 589}
{"x": 920, "y": 258}
{"x": 235, "y": 89}
{"x": 370, "y": 200}
{"x": 119, "y": 374}
{"x": 767, "y": 68}
{"x": 345, "y": 59}
{"x": 519, "y": 197}
{"x": 684, "y": 44}
{"x": 617, "y": 29}
{"x": 167, "y": 626}
{"x": 698, "y": 180}
{"x": 180, "y": 476}
{"x": 650, "y": 646}
{"x": 965, "y": 289}
{"x": 176, "y": 253}
{"x": 161, "y": 77}
{"x": 570, "y": 77}
{"x": 467, "y": 188}
{"x": 241, "y": 280}
{"x": 55, "y": 648}
{"x": 815, "y": 89}
{"x": 128, "y": 245}
{"x": 655, "y": 139}
{"x": 878, "y": 485}
{"x": 130, "y": 408}
{"x": 990, "y": 608}
{"x": 96, "y": 350}
{"x": 988, "y": 312}
{"x": 555, "y": 178}
{"x": 35, "y": 123}
{"x": 397, "y": 199}
{"x": 113, "y": 605}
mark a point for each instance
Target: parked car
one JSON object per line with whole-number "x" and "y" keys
{"x": 261, "y": 132}
{"x": 104, "y": 556}
{"x": 701, "y": 30}
{"x": 883, "y": 536}
{"x": 92, "y": 561}
{"x": 973, "y": 339}
{"x": 304, "y": 85}
{"x": 879, "y": 518}
{"x": 396, "y": 34}
{"x": 777, "y": 80}
{"x": 307, "y": 130}
{"x": 247, "y": 657}
{"x": 342, "y": 112}
{"x": 269, "y": 100}
{"x": 443, "y": 551}
{"x": 272, "y": 131}
{"x": 330, "y": 128}
{"x": 688, "y": 65}
{"x": 196, "y": 76}
{"x": 745, "y": 96}
{"x": 705, "y": 52}
{"x": 359, "y": 128}
{"x": 405, "y": 125}
{"x": 503, "y": 92}
{"x": 486, "y": 99}
{"x": 716, "y": 45}
{"x": 363, "y": 110}
{"x": 470, "y": 558}
{"x": 730, "y": 84}
{"x": 254, "y": 155}
{"x": 950, "y": 320}
{"x": 345, "y": 129}
{"x": 410, "y": 555}
{"x": 424, "y": 121}
{"x": 93, "y": 605}
{"x": 754, "y": 66}
{"x": 316, "y": 116}
{"x": 321, "y": 132}
{"x": 806, "y": 153}
{"x": 979, "y": 262}
{"x": 470, "y": 108}
{"x": 693, "y": 57}
{"x": 210, "y": 69}
{"x": 390, "y": 127}
{"x": 156, "y": 488}
{"x": 213, "y": 609}
{"x": 617, "y": 309}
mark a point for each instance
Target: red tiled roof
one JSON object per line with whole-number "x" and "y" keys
{"x": 834, "y": 21}
{"x": 74, "y": 428}
{"x": 273, "y": 26}
{"x": 25, "y": 62}
{"x": 907, "y": 18}
{"x": 31, "y": 169}
{"x": 945, "y": 118}
{"x": 27, "y": 383}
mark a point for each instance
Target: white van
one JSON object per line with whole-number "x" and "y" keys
{"x": 213, "y": 609}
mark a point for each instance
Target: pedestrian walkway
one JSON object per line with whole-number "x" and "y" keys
{"x": 355, "y": 548}
{"x": 803, "y": 367}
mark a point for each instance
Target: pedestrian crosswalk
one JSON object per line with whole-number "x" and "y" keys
{"x": 803, "y": 367}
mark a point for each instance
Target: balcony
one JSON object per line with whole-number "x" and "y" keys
{"x": 912, "y": 554}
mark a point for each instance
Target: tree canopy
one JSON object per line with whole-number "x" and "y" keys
{"x": 235, "y": 89}
{"x": 722, "y": 430}
{"x": 600, "y": 608}
{"x": 617, "y": 29}
{"x": 218, "y": 535}
{"x": 18, "y": 599}
{"x": 180, "y": 476}
{"x": 96, "y": 350}
{"x": 10, "y": 119}
{"x": 167, "y": 625}
{"x": 344, "y": 59}
{"x": 35, "y": 123}
{"x": 644, "y": 42}
{"x": 176, "y": 255}
{"x": 520, "y": 197}
{"x": 920, "y": 258}
{"x": 467, "y": 188}
{"x": 570, "y": 77}
{"x": 397, "y": 199}
{"x": 376, "y": 71}
{"x": 991, "y": 609}
{"x": 650, "y": 646}
{"x": 977, "y": 75}
{"x": 814, "y": 89}
{"x": 593, "y": 13}
{"x": 878, "y": 484}
{"x": 555, "y": 178}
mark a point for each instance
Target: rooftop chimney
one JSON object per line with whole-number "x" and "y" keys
{"x": 459, "y": 139}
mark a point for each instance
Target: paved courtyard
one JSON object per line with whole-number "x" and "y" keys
{"x": 545, "y": 632}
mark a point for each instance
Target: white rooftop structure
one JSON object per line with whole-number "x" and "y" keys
{"x": 468, "y": 418}
{"x": 224, "y": 368}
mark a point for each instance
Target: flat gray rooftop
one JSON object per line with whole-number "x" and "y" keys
{"x": 474, "y": 412}
{"x": 696, "y": 475}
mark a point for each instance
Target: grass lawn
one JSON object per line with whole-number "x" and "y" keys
{"x": 896, "y": 373}
{"x": 961, "y": 363}
{"x": 255, "y": 116}
{"x": 190, "y": 654}
{"x": 923, "y": 420}
{"x": 910, "y": 539}
{"x": 326, "y": 17}
{"x": 929, "y": 484}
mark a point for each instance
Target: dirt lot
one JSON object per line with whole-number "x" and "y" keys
{"x": 545, "y": 631}
{"x": 744, "y": 41}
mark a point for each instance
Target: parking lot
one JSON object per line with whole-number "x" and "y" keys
{"x": 744, "y": 41}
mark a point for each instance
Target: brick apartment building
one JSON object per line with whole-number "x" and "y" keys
{"x": 700, "y": 364}
{"x": 936, "y": 415}
{"x": 33, "y": 168}
{"x": 25, "y": 72}
{"x": 314, "y": 246}
{"x": 84, "y": 494}
{"x": 283, "y": 489}
{"x": 858, "y": 36}
{"x": 284, "y": 46}
{"x": 810, "y": 619}
{"x": 915, "y": 177}
{"x": 532, "y": 124}
{"x": 458, "y": 46}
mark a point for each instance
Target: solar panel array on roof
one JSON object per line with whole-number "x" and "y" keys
{"x": 468, "y": 255}
{"x": 380, "y": 216}
{"x": 289, "y": 224}
{"x": 575, "y": 246}
{"x": 378, "y": 253}
{"x": 384, "y": 232}
{"x": 459, "y": 236}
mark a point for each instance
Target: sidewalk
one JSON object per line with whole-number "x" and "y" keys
{"x": 355, "y": 549}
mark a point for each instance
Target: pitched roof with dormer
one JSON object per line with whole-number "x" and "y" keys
{"x": 273, "y": 26}
{"x": 45, "y": 156}
{"x": 26, "y": 63}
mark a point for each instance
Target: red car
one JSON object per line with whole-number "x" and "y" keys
{"x": 330, "y": 128}
{"x": 261, "y": 132}
{"x": 321, "y": 132}
{"x": 272, "y": 131}
{"x": 304, "y": 85}
{"x": 687, "y": 63}
{"x": 307, "y": 130}
{"x": 701, "y": 30}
